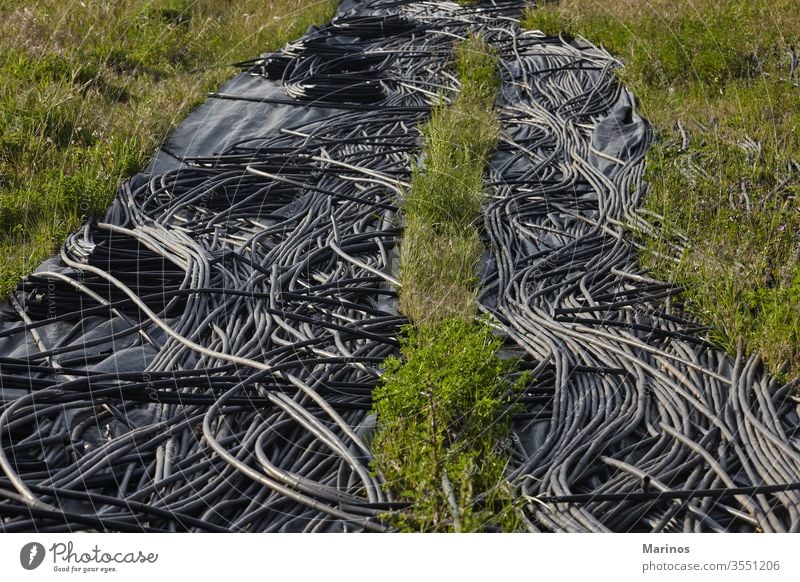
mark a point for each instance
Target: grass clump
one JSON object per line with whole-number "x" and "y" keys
{"x": 719, "y": 81}
{"x": 438, "y": 271}
{"x": 443, "y": 406}
{"x": 89, "y": 89}
{"x": 443, "y": 411}
{"x": 441, "y": 245}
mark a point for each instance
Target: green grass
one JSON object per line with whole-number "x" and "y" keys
{"x": 89, "y": 89}
{"x": 715, "y": 76}
{"x": 443, "y": 410}
{"x": 441, "y": 245}
{"x": 443, "y": 407}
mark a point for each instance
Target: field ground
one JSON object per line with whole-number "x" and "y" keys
{"x": 88, "y": 89}
{"x": 720, "y": 81}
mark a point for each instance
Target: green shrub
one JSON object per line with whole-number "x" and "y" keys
{"x": 443, "y": 411}
{"x": 443, "y": 408}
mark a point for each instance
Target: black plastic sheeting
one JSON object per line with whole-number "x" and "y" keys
{"x": 203, "y": 358}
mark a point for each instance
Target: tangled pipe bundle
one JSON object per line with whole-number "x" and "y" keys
{"x": 636, "y": 423}
{"x": 203, "y": 358}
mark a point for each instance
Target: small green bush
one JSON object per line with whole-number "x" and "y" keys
{"x": 444, "y": 409}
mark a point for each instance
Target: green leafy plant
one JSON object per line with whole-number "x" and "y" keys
{"x": 444, "y": 409}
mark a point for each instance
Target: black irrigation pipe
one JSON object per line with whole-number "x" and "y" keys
{"x": 657, "y": 496}
{"x": 132, "y": 506}
{"x": 324, "y": 104}
{"x": 203, "y": 357}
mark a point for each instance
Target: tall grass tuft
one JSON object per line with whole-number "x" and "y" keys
{"x": 441, "y": 245}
